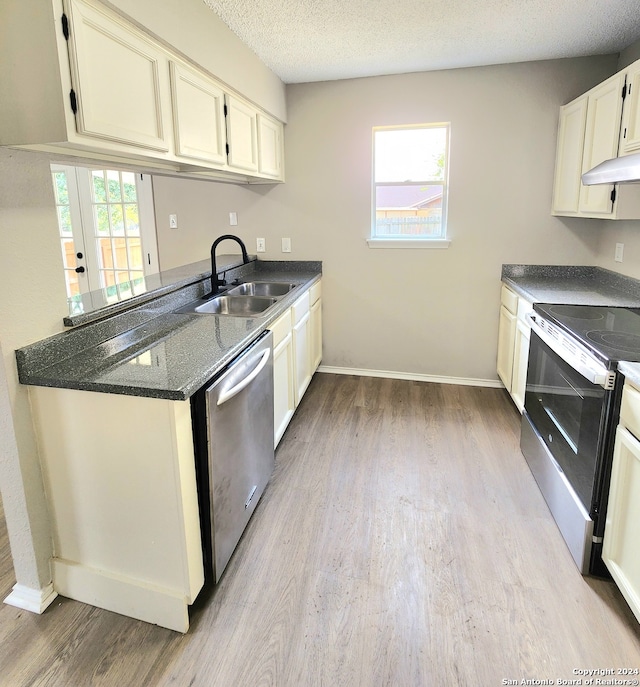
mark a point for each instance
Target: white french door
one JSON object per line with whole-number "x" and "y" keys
{"x": 107, "y": 230}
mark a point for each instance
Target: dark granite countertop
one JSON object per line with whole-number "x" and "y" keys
{"x": 582, "y": 285}
{"x": 150, "y": 350}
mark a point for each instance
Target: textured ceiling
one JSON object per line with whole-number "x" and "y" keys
{"x": 319, "y": 40}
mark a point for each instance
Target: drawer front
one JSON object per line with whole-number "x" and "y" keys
{"x": 509, "y": 299}
{"x": 315, "y": 292}
{"x": 300, "y": 308}
{"x": 630, "y": 409}
{"x": 281, "y": 327}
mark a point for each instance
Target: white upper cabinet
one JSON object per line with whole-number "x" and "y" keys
{"x": 588, "y": 134}
{"x": 119, "y": 79}
{"x": 242, "y": 134}
{"x": 198, "y": 115}
{"x": 602, "y": 135}
{"x": 100, "y": 87}
{"x": 567, "y": 184}
{"x": 630, "y": 137}
{"x": 270, "y": 147}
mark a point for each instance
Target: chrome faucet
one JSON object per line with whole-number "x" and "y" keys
{"x": 215, "y": 282}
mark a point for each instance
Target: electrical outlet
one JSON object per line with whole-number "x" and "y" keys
{"x": 261, "y": 245}
{"x": 173, "y": 221}
{"x": 619, "y": 252}
{"x": 233, "y": 219}
{"x": 286, "y": 245}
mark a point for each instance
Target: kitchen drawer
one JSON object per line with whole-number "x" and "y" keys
{"x": 509, "y": 299}
{"x": 315, "y": 292}
{"x": 281, "y": 327}
{"x": 300, "y": 308}
{"x": 630, "y": 409}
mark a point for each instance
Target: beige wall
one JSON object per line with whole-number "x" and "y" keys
{"x": 193, "y": 29}
{"x": 32, "y": 305}
{"x": 431, "y": 312}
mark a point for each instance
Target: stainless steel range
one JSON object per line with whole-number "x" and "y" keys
{"x": 572, "y": 402}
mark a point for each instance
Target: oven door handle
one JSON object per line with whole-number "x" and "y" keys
{"x": 582, "y": 364}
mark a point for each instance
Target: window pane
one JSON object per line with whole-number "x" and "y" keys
{"x": 120, "y": 252}
{"x": 132, "y": 219}
{"x": 403, "y": 155}
{"x": 409, "y": 211}
{"x": 102, "y": 219}
{"x": 135, "y": 254}
{"x": 105, "y": 253}
{"x": 99, "y": 188}
{"x": 68, "y": 254}
{"x": 117, "y": 220}
{"x": 60, "y": 188}
{"x": 64, "y": 220}
{"x": 113, "y": 182}
{"x": 129, "y": 186}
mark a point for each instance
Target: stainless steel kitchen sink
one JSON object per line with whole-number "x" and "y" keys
{"x": 261, "y": 288}
{"x": 236, "y": 305}
{"x": 251, "y": 299}
{"x": 240, "y": 306}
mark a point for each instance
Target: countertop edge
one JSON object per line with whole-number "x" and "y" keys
{"x": 312, "y": 273}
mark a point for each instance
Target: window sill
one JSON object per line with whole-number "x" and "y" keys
{"x": 409, "y": 243}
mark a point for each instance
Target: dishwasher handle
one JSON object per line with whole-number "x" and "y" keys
{"x": 234, "y": 390}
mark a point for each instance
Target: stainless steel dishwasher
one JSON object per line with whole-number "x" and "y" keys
{"x": 233, "y": 424}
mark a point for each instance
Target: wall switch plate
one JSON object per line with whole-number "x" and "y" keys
{"x": 173, "y": 221}
{"x": 233, "y": 219}
{"x": 619, "y": 252}
{"x": 286, "y": 245}
{"x": 261, "y": 245}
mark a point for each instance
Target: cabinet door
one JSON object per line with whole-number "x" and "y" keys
{"x": 284, "y": 396}
{"x": 571, "y": 128}
{"x": 602, "y": 134}
{"x": 120, "y": 79}
{"x": 316, "y": 334}
{"x": 198, "y": 116}
{"x": 506, "y": 338}
{"x": 242, "y": 135}
{"x": 270, "y": 132}
{"x": 630, "y": 137}
{"x": 620, "y": 549}
{"x": 302, "y": 349}
{"x": 520, "y": 361}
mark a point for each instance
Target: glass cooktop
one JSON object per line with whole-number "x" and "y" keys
{"x": 613, "y": 334}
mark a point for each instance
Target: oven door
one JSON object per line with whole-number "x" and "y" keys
{"x": 569, "y": 414}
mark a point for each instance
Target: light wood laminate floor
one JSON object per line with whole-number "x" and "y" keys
{"x": 402, "y": 541}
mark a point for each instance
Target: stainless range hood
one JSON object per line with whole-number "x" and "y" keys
{"x": 619, "y": 170}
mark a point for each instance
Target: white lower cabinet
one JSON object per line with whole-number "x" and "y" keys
{"x": 513, "y": 344}
{"x": 315, "y": 311}
{"x": 302, "y": 344}
{"x": 284, "y": 396}
{"x": 620, "y": 551}
{"x": 297, "y": 351}
{"x": 119, "y": 474}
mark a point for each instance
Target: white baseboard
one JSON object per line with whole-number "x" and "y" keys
{"x": 29, "y": 599}
{"x": 120, "y": 594}
{"x": 414, "y": 377}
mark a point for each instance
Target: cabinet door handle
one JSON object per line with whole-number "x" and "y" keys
{"x": 80, "y": 269}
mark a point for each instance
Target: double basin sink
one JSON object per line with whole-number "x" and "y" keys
{"x": 250, "y": 299}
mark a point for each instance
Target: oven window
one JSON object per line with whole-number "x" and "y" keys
{"x": 567, "y": 410}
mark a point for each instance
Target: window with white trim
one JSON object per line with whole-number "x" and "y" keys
{"x": 107, "y": 230}
{"x": 409, "y": 198}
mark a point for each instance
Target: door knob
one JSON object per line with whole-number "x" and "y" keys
{"x": 80, "y": 269}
